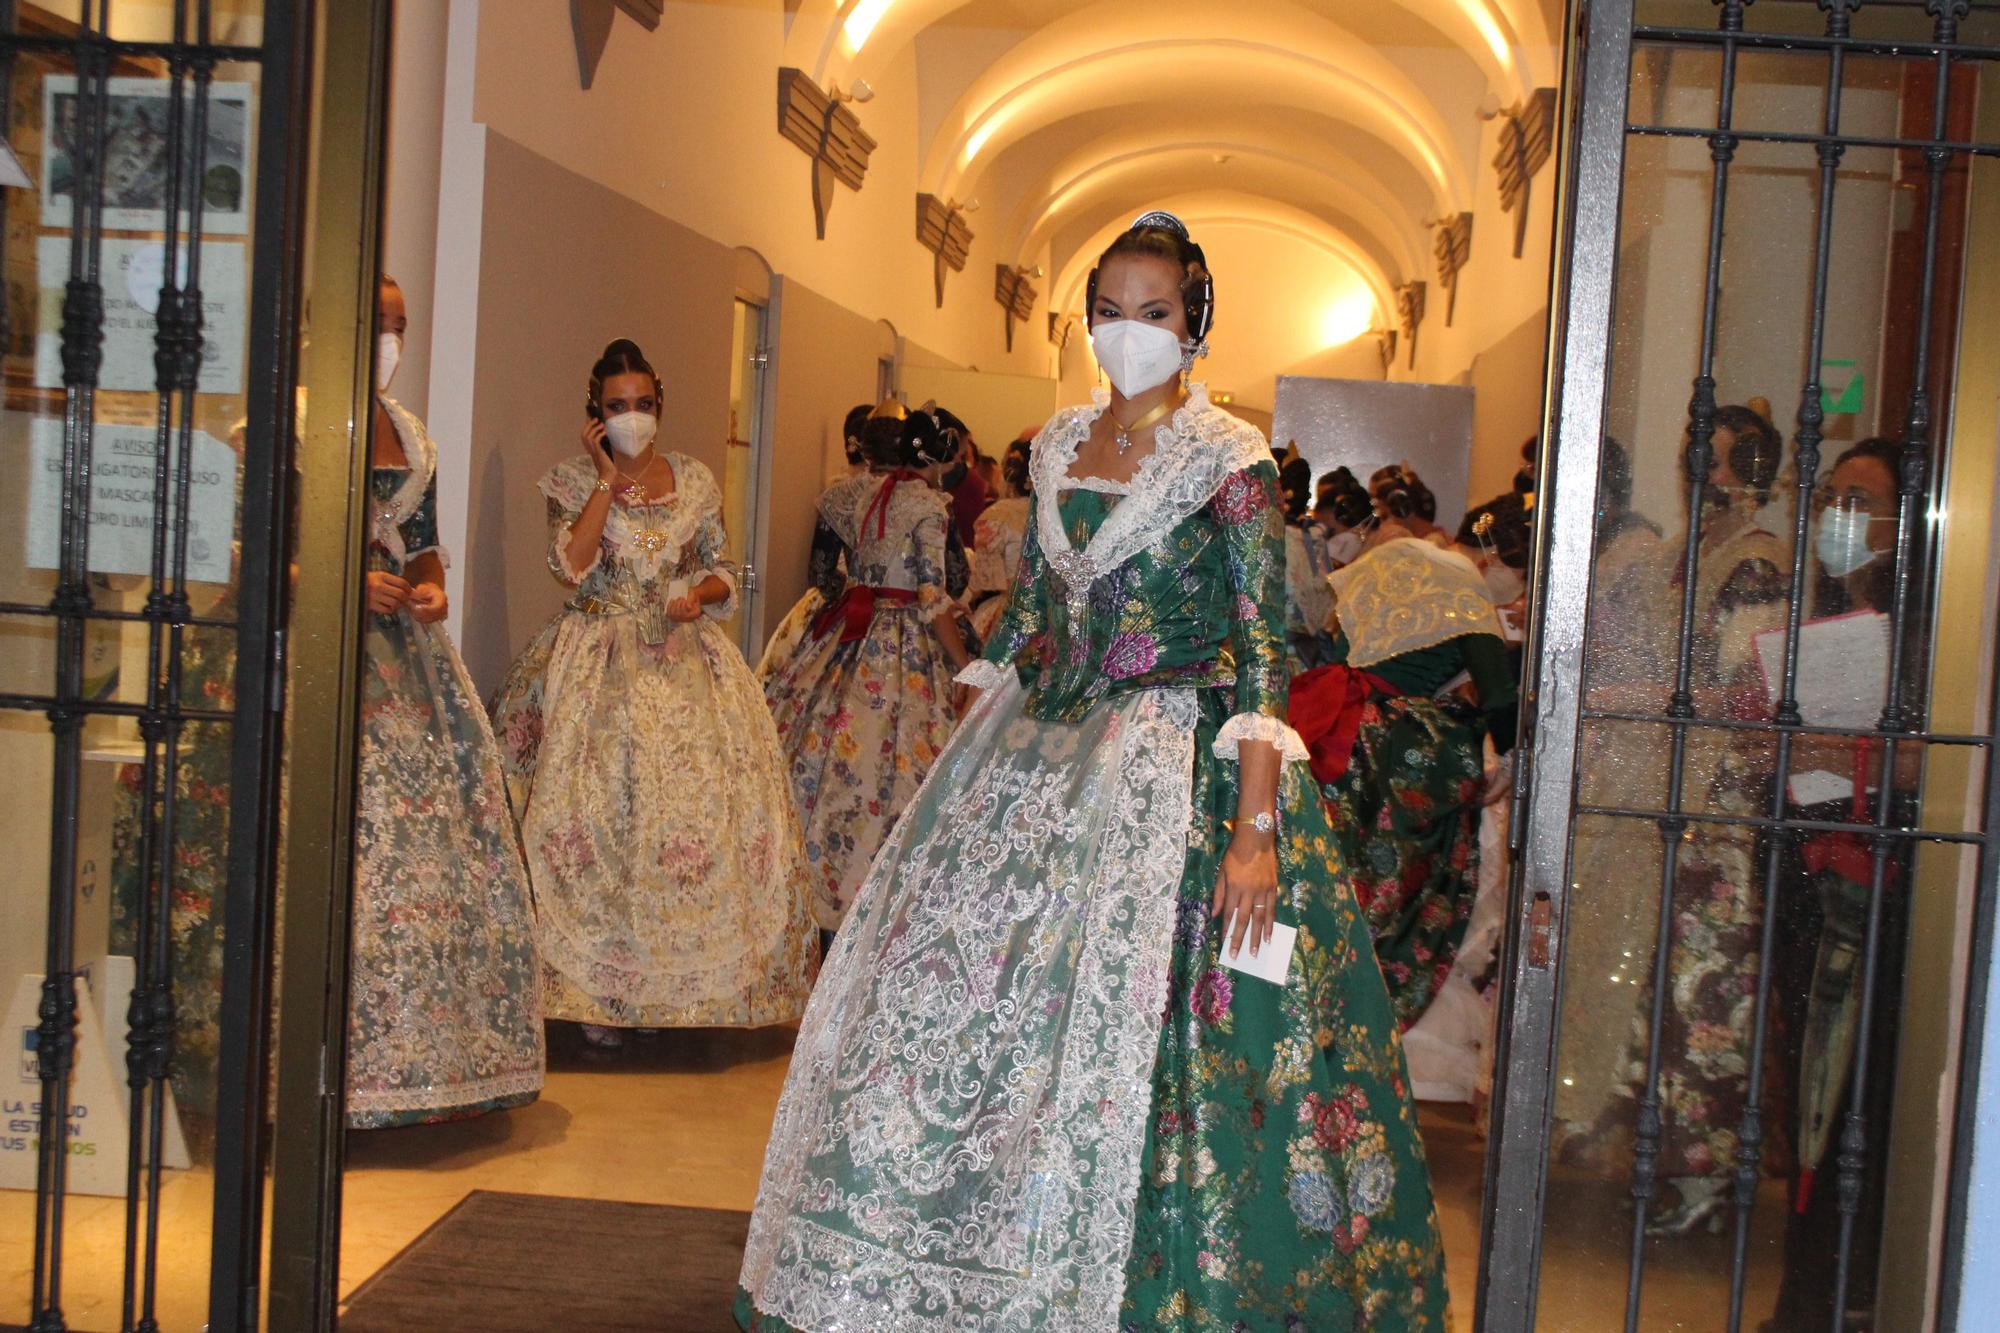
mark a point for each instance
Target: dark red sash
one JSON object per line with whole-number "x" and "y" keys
{"x": 1326, "y": 712}
{"x": 856, "y": 607}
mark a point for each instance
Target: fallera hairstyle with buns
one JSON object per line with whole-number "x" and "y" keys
{"x": 1160, "y": 235}
{"x": 622, "y": 357}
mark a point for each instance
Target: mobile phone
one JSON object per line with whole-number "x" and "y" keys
{"x": 595, "y": 412}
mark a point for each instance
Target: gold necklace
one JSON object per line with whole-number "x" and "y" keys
{"x": 635, "y": 494}
{"x": 1159, "y": 413}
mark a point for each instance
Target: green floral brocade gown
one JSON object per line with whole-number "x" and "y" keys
{"x": 1026, "y": 1094}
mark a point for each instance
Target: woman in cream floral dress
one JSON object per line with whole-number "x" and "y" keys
{"x": 1031, "y": 1092}
{"x": 443, "y": 1019}
{"x": 864, "y": 703}
{"x": 652, "y": 797}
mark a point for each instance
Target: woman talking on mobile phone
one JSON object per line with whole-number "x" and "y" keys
{"x": 643, "y": 765}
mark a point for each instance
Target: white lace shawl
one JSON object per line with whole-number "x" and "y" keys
{"x": 1194, "y": 452}
{"x": 420, "y": 452}
{"x": 696, "y": 498}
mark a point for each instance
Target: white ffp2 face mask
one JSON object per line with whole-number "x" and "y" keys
{"x": 1136, "y": 355}
{"x": 1842, "y": 541}
{"x": 630, "y": 432}
{"x": 1344, "y": 546}
{"x": 388, "y": 355}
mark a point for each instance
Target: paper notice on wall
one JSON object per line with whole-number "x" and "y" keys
{"x": 131, "y": 273}
{"x": 94, "y": 1130}
{"x": 122, "y": 498}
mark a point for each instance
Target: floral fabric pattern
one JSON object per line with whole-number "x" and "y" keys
{"x": 443, "y": 1019}
{"x": 651, "y": 792}
{"x": 1712, "y": 959}
{"x": 1405, "y": 824}
{"x": 199, "y": 872}
{"x": 862, "y": 718}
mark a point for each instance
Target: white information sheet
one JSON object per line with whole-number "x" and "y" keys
{"x": 121, "y": 506}
{"x": 130, "y": 273}
{"x": 1843, "y": 676}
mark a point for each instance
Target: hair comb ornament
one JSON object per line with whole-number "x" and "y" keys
{"x": 1162, "y": 219}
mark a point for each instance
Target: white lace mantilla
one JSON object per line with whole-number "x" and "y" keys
{"x": 1193, "y": 453}
{"x": 960, "y": 1137}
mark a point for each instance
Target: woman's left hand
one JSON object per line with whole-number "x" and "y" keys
{"x": 685, "y": 608}
{"x": 1246, "y": 890}
{"x": 428, "y": 604}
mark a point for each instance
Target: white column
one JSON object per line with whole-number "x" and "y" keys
{"x": 458, "y": 202}
{"x": 409, "y": 218}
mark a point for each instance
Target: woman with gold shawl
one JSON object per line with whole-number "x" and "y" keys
{"x": 1395, "y": 727}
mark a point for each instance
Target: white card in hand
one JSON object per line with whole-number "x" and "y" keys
{"x": 1273, "y": 960}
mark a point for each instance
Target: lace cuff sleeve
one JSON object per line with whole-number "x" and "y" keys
{"x": 1260, "y": 727}
{"x": 725, "y": 608}
{"x": 981, "y": 674}
{"x": 559, "y": 537}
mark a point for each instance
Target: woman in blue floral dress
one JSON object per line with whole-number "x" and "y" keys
{"x": 1033, "y": 1089}
{"x": 863, "y": 704}
{"x": 443, "y": 1021}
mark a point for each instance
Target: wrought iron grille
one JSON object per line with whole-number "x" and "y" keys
{"x": 1704, "y": 792}
{"x": 164, "y": 147}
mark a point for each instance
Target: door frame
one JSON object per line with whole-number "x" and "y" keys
{"x": 1598, "y": 56}
{"x": 350, "y": 119}
{"x": 1583, "y": 277}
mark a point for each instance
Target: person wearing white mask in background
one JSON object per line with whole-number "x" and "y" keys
{"x": 654, "y": 808}
{"x": 443, "y": 1015}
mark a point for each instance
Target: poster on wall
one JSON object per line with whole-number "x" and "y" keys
{"x": 121, "y": 502}
{"x": 135, "y": 156}
{"x": 132, "y": 271}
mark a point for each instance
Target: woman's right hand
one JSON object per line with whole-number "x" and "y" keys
{"x": 387, "y": 593}
{"x": 593, "y": 444}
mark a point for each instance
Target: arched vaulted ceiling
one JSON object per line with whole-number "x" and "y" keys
{"x": 1349, "y": 126}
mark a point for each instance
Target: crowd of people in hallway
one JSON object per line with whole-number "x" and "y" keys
{"x": 1111, "y": 814}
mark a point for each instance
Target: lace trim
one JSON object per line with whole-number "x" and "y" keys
{"x": 420, "y": 453}
{"x": 559, "y": 557}
{"x": 444, "y": 1097}
{"x": 961, "y": 1134}
{"x": 981, "y": 674}
{"x": 1260, "y": 727}
{"x": 671, "y": 522}
{"x": 1193, "y": 454}
{"x": 725, "y": 608}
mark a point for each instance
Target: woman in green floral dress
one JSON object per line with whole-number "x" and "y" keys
{"x": 1400, "y": 754}
{"x": 1029, "y": 1091}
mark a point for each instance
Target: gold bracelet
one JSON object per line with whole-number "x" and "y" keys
{"x": 603, "y": 486}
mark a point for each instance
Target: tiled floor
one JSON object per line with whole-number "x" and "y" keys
{"x": 682, "y": 1119}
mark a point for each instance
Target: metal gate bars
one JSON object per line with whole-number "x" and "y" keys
{"x": 1765, "y": 977}
{"x": 141, "y": 158}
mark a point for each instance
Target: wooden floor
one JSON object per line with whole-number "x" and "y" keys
{"x": 682, "y": 1119}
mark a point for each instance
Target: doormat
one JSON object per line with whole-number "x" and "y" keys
{"x": 526, "y": 1263}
